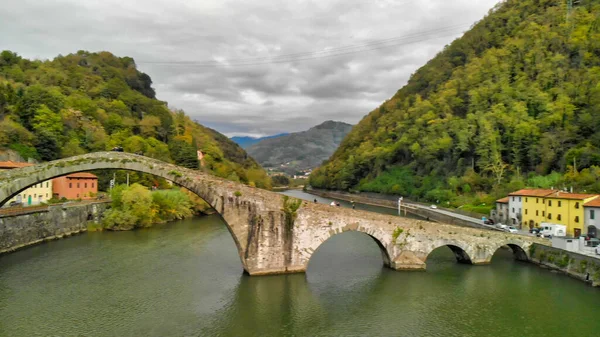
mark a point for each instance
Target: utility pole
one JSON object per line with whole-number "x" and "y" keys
{"x": 570, "y": 5}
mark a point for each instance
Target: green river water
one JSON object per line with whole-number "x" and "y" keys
{"x": 185, "y": 279}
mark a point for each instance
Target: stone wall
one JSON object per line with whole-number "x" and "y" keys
{"x": 18, "y": 231}
{"x": 583, "y": 267}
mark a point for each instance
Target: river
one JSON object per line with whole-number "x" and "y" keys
{"x": 185, "y": 279}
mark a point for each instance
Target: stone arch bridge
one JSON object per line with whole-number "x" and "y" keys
{"x": 272, "y": 237}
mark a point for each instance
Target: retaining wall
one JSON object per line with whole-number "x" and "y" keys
{"x": 384, "y": 201}
{"x": 18, "y": 231}
{"x": 582, "y": 267}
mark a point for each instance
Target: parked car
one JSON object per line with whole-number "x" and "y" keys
{"x": 501, "y": 226}
{"x": 534, "y": 230}
{"x": 598, "y": 250}
{"x": 15, "y": 204}
{"x": 433, "y": 206}
{"x": 117, "y": 149}
{"x": 490, "y": 222}
{"x": 511, "y": 229}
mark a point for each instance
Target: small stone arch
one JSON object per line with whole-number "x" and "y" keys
{"x": 462, "y": 252}
{"x": 519, "y": 249}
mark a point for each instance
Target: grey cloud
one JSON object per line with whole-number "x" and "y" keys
{"x": 266, "y": 97}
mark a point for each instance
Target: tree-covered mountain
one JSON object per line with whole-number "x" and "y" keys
{"x": 87, "y": 102}
{"x": 245, "y": 142}
{"x": 514, "y": 99}
{"x": 300, "y": 150}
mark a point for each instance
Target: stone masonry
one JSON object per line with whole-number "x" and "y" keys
{"x": 273, "y": 240}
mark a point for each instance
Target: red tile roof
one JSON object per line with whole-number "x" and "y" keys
{"x": 572, "y": 196}
{"x": 593, "y": 203}
{"x": 533, "y": 192}
{"x": 13, "y": 164}
{"x": 503, "y": 200}
{"x": 82, "y": 175}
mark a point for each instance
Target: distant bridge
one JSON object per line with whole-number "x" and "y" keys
{"x": 270, "y": 237}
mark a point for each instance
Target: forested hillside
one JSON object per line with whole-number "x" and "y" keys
{"x": 87, "y": 102}
{"x": 516, "y": 98}
{"x": 300, "y": 150}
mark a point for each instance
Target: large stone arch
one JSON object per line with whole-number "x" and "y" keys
{"x": 243, "y": 208}
{"x": 385, "y": 256}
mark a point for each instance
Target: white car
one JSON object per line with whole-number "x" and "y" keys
{"x": 433, "y": 206}
{"x": 598, "y": 250}
{"x": 511, "y": 229}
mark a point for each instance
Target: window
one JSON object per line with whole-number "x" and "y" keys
{"x": 77, "y": 195}
{"x": 46, "y": 195}
{"x": 543, "y": 201}
{"x": 549, "y": 216}
{"x": 35, "y": 195}
{"x": 92, "y": 185}
{"x": 577, "y": 219}
{"x": 537, "y": 213}
{"x": 70, "y": 185}
{"x": 519, "y": 211}
{"x": 525, "y": 211}
{"x": 513, "y": 210}
{"x": 537, "y": 200}
{"x": 558, "y": 217}
{"x": 77, "y": 187}
{"x": 513, "y": 198}
{"x": 519, "y": 199}
{"x": 543, "y": 213}
{"x": 525, "y": 199}
{"x": 85, "y": 185}
{"x": 592, "y": 214}
{"x": 47, "y": 184}
{"x": 577, "y": 205}
{"x": 559, "y": 203}
{"x": 549, "y": 202}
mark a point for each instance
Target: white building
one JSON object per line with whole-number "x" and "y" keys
{"x": 515, "y": 206}
{"x": 591, "y": 214}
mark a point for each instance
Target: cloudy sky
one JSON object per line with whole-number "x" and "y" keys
{"x": 252, "y": 67}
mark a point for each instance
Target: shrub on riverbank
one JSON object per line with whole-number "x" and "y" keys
{"x": 137, "y": 207}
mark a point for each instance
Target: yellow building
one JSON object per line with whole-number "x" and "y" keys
{"x": 551, "y": 206}
{"x": 35, "y": 194}
{"x": 567, "y": 209}
{"x": 530, "y": 206}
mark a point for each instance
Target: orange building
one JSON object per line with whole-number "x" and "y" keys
{"x": 75, "y": 186}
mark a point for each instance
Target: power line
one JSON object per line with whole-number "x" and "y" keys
{"x": 338, "y": 51}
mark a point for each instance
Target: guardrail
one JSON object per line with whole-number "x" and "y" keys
{"x": 22, "y": 210}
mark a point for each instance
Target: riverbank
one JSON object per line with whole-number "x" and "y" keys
{"x": 54, "y": 222}
{"x": 581, "y": 267}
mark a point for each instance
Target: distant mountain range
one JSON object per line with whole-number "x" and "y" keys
{"x": 300, "y": 150}
{"x": 244, "y": 142}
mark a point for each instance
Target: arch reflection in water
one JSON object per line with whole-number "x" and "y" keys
{"x": 346, "y": 270}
